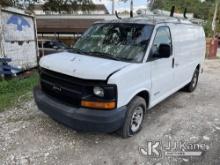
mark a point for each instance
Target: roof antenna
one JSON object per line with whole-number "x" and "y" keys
{"x": 131, "y": 9}
{"x": 116, "y": 13}
{"x": 172, "y": 11}
{"x": 184, "y": 14}
{"x": 131, "y": 14}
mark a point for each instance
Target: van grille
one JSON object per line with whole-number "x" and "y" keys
{"x": 66, "y": 88}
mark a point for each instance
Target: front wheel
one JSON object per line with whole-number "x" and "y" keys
{"x": 193, "y": 84}
{"x": 134, "y": 117}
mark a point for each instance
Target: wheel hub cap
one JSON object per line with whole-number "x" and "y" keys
{"x": 194, "y": 80}
{"x": 136, "y": 119}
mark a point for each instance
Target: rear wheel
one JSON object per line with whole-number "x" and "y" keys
{"x": 193, "y": 84}
{"x": 134, "y": 117}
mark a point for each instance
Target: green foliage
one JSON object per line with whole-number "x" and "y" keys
{"x": 68, "y": 6}
{"x": 12, "y": 90}
{"x": 208, "y": 28}
{"x": 18, "y": 3}
{"x": 6, "y": 3}
{"x": 202, "y": 10}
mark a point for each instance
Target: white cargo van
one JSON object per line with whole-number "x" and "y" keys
{"x": 118, "y": 70}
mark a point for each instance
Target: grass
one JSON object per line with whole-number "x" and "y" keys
{"x": 13, "y": 90}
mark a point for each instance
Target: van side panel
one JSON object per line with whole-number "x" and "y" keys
{"x": 130, "y": 81}
{"x": 189, "y": 51}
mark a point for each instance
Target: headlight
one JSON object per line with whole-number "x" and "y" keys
{"x": 98, "y": 91}
{"x": 101, "y": 97}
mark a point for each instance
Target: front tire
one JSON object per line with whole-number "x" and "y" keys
{"x": 134, "y": 117}
{"x": 193, "y": 84}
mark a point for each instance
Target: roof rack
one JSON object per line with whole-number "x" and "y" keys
{"x": 163, "y": 18}
{"x": 171, "y": 17}
{"x": 159, "y": 18}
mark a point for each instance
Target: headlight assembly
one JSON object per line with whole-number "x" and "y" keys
{"x": 98, "y": 91}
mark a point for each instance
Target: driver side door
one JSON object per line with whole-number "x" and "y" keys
{"x": 162, "y": 71}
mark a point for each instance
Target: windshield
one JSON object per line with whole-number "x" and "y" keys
{"x": 125, "y": 42}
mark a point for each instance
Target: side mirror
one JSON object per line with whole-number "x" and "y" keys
{"x": 164, "y": 51}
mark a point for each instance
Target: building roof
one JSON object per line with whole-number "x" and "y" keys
{"x": 97, "y": 7}
{"x": 63, "y": 25}
{"x": 79, "y": 23}
{"x": 18, "y": 11}
{"x": 67, "y": 23}
{"x": 101, "y": 7}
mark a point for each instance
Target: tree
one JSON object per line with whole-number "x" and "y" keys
{"x": 68, "y": 6}
{"x": 202, "y": 10}
{"x": 6, "y": 2}
{"x": 24, "y": 4}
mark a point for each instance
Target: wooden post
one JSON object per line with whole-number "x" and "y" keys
{"x": 42, "y": 45}
{"x": 113, "y": 6}
{"x": 1, "y": 34}
{"x": 151, "y": 3}
{"x": 214, "y": 20}
{"x": 1, "y": 46}
{"x": 1, "y": 51}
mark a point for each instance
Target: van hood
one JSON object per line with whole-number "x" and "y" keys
{"x": 81, "y": 66}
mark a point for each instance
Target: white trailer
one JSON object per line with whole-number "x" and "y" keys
{"x": 18, "y": 38}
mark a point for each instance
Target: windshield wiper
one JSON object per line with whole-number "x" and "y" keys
{"x": 104, "y": 55}
{"x": 77, "y": 50}
{"x": 99, "y": 54}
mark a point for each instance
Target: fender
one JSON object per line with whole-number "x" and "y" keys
{"x": 115, "y": 72}
{"x": 139, "y": 93}
{"x": 130, "y": 81}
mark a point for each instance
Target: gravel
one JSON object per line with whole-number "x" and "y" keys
{"x": 28, "y": 136}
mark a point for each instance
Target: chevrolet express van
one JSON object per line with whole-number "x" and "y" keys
{"x": 118, "y": 70}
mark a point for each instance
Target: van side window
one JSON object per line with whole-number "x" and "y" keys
{"x": 163, "y": 36}
{"x": 48, "y": 44}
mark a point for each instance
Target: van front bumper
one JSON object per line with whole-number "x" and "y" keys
{"x": 80, "y": 119}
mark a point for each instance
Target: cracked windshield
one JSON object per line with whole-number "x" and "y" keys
{"x": 123, "y": 42}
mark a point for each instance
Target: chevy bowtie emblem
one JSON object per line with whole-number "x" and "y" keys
{"x": 56, "y": 88}
{"x": 73, "y": 59}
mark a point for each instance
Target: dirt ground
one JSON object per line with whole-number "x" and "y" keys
{"x": 27, "y": 136}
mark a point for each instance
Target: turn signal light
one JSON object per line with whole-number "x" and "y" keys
{"x": 99, "y": 105}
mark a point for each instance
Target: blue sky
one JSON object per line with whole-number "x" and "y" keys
{"x": 122, "y": 5}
